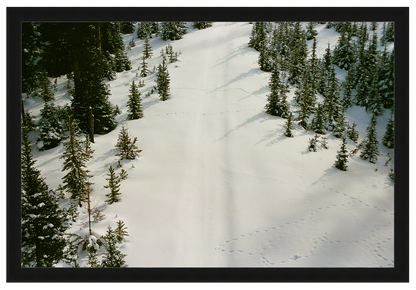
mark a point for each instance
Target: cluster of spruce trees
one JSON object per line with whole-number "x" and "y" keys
{"x": 320, "y": 99}
{"x": 87, "y": 54}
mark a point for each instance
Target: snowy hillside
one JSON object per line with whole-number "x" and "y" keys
{"x": 217, "y": 183}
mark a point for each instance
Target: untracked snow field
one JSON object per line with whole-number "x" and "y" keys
{"x": 217, "y": 183}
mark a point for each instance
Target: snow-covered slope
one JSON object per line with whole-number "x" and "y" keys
{"x": 217, "y": 182}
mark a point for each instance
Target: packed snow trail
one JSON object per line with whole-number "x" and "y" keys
{"x": 218, "y": 184}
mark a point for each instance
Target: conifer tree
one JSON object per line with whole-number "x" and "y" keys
{"x": 305, "y": 99}
{"x": 75, "y": 158}
{"x": 201, "y": 25}
{"x": 144, "y": 30}
{"x": 172, "y": 30}
{"x": 342, "y": 157}
{"x": 163, "y": 81}
{"x": 298, "y": 55}
{"x": 332, "y": 103}
{"x": 127, "y": 27}
{"x": 113, "y": 257}
{"x": 258, "y": 36}
{"x": 126, "y": 147}
{"x": 318, "y": 122}
{"x": 385, "y": 79}
{"x": 114, "y": 186}
{"x": 388, "y": 139}
{"x": 147, "y": 50}
{"x": 313, "y": 143}
{"x": 134, "y": 103}
{"x": 143, "y": 68}
{"x": 353, "y": 133}
{"x": 50, "y": 128}
{"x": 289, "y": 126}
{"x": 311, "y": 33}
{"x": 370, "y": 149}
{"x": 314, "y": 68}
{"x": 44, "y": 222}
{"x": 121, "y": 231}
{"x": 46, "y": 92}
{"x": 340, "y": 126}
{"x": 277, "y": 105}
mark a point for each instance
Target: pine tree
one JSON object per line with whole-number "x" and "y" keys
{"x": 370, "y": 150}
{"x": 113, "y": 257}
{"x": 126, "y": 147}
{"x": 134, "y": 103}
{"x": 143, "y": 68}
{"x": 389, "y": 36}
{"x": 332, "y": 104}
{"x": 50, "y": 128}
{"x": 114, "y": 186}
{"x": 311, "y": 33}
{"x": 201, "y": 25}
{"x": 277, "y": 105}
{"x": 163, "y": 81}
{"x": 314, "y": 68}
{"x": 289, "y": 126}
{"x": 313, "y": 143}
{"x": 298, "y": 55}
{"x": 340, "y": 126}
{"x": 75, "y": 158}
{"x": 144, "y": 30}
{"x": 44, "y": 222}
{"x": 353, "y": 133}
{"x": 127, "y": 27}
{"x": 258, "y": 36}
{"x": 342, "y": 157}
{"x": 318, "y": 122}
{"x": 305, "y": 100}
{"x": 46, "y": 92}
{"x": 388, "y": 139}
{"x": 121, "y": 231}
{"x": 147, "y": 50}
{"x": 172, "y": 30}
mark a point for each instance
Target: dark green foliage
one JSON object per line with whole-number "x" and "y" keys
{"x": 28, "y": 122}
{"x": 147, "y": 49}
{"x": 305, "y": 100}
{"x": 344, "y": 52}
{"x": 298, "y": 55}
{"x": 258, "y": 36}
{"x": 173, "y": 56}
{"x": 278, "y": 105}
{"x": 389, "y": 34}
{"x": 342, "y": 157}
{"x": 318, "y": 122}
{"x": 113, "y": 257}
{"x": 332, "y": 104}
{"x": 163, "y": 81}
{"x": 50, "y": 128}
{"x": 126, "y": 147}
{"x": 121, "y": 61}
{"x": 385, "y": 80}
{"x": 388, "y": 139}
{"x": 340, "y": 126}
{"x": 30, "y": 55}
{"x": 127, "y": 27}
{"x": 146, "y": 29}
{"x": 114, "y": 186}
{"x": 77, "y": 153}
{"x": 313, "y": 143}
{"x": 311, "y": 33}
{"x": 46, "y": 89}
{"x": 201, "y": 25}
{"x": 353, "y": 133}
{"x": 172, "y": 30}
{"x": 121, "y": 231}
{"x": 134, "y": 103}
{"x": 369, "y": 149}
{"x": 143, "y": 68}
{"x": 44, "y": 222}
{"x": 289, "y": 126}
{"x": 123, "y": 174}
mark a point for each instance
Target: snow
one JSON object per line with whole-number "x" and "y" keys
{"x": 217, "y": 183}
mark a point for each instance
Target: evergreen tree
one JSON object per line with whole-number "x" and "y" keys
{"x": 342, "y": 157}
{"x": 75, "y": 158}
{"x": 121, "y": 61}
{"x": 332, "y": 103}
{"x": 127, "y": 27}
{"x": 30, "y": 55}
{"x": 389, "y": 36}
{"x": 289, "y": 126}
{"x": 313, "y": 143}
{"x": 114, "y": 186}
{"x": 344, "y": 51}
{"x": 201, "y": 25}
{"x": 318, "y": 122}
{"x": 298, "y": 55}
{"x": 305, "y": 99}
{"x": 311, "y": 33}
{"x": 134, "y": 104}
{"x": 113, "y": 257}
{"x": 370, "y": 150}
{"x": 277, "y": 105}
{"x": 258, "y": 36}
{"x": 143, "y": 68}
{"x": 163, "y": 81}
{"x": 353, "y": 133}
{"x": 388, "y": 139}
{"x": 126, "y": 147}
{"x": 340, "y": 126}
{"x": 144, "y": 30}
{"x": 147, "y": 50}
{"x": 44, "y": 222}
{"x": 46, "y": 91}
{"x": 121, "y": 231}
{"x": 50, "y": 128}
{"x": 325, "y": 70}
{"x": 385, "y": 80}
{"x": 172, "y": 30}
{"x": 28, "y": 122}
{"x": 314, "y": 68}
